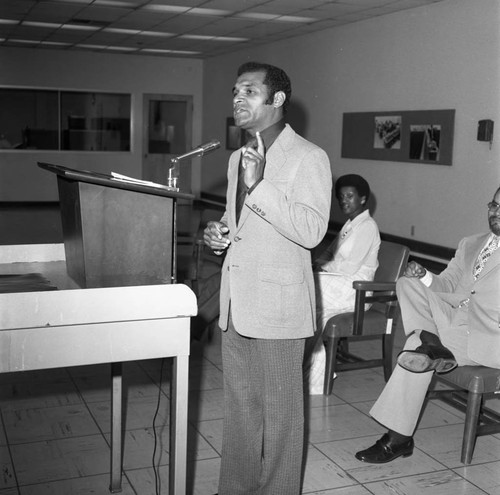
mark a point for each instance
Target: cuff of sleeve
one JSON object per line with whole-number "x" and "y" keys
{"x": 427, "y": 278}
{"x": 250, "y": 190}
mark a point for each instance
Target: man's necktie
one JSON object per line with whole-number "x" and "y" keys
{"x": 485, "y": 253}
{"x": 241, "y": 188}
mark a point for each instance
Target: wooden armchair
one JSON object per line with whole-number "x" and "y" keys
{"x": 379, "y": 321}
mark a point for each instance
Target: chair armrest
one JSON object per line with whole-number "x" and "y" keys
{"x": 386, "y": 294}
{"x": 373, "y": 286}
{"x": 381, "y": 292}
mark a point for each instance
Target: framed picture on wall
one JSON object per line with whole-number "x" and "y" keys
{"x": 425, "y": 141}
{"x": 387, "y": 132}
{"x": 420, "y": 136}
{"x": 235, "y": 136}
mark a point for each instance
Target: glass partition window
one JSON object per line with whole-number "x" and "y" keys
{"x": 95, "y": 121}
{"x": 167, "y": 127}
{"x": 29, "y": 119}
{"x": 64, "y": 120}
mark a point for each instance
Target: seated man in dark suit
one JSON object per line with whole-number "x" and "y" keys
{"x": 450, "y": 319}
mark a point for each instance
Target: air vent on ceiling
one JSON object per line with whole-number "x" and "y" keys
{"x": 89, "y": 22}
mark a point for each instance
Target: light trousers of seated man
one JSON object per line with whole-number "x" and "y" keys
{"x": 400, "y": 403}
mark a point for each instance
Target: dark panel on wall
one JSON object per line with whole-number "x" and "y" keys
{"x": 423, "y": 136}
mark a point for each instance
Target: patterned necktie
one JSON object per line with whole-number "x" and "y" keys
{"x": 485, "y": 253}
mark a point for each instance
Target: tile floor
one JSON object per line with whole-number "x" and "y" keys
{"x": 55, "y": 433}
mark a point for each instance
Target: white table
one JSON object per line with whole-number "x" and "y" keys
{"x": 75, "y": 327}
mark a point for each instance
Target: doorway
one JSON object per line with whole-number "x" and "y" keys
{"x": 167, "y": 132}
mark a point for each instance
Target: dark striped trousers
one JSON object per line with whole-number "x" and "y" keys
{"x": 263, "y": 433}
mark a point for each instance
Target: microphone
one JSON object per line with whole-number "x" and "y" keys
{"x": 200, "y": 150}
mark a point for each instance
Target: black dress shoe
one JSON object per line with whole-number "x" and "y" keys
{"x": 431, "y": 355}
{"x": 385, "y": 451}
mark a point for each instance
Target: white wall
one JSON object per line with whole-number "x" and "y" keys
{"x": 20, "y": 177}
{"x": 443, "y": 56}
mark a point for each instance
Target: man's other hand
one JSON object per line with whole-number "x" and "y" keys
{"x": 215, "y": 236}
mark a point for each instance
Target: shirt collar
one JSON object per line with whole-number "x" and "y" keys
{"x": 492, "y": 238}
{"x": 359, "y": 218}
{"x": 269, "y": 134}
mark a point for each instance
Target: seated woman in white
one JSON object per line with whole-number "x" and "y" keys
{"x": 353, "y": 255}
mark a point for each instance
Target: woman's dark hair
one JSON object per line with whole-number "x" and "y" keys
{"x": 353, "y": 180}
{"x": 275, "y": 79}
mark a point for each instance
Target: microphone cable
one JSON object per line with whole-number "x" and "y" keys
{"x": 156, "y": 470}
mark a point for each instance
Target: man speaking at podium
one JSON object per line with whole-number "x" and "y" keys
{"x": 277, "y": 210}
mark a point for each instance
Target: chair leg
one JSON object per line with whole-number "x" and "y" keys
{"x": 331, "y": 358}
{"x": 343, "y": 345}
{"x": 474, "y": 402}
{"x": 387, "y": 348}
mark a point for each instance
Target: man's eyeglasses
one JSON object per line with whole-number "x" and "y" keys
{"x": 493, "y": 206}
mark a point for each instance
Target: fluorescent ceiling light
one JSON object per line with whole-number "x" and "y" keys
{"x": 88, "y": 2}
{"x": 274, "y": 17}
{"x": 80, "y": 27}
{"x": 256, "y": 15}
{"x": 162, "y": 34}
{"x": 133, "y": 32}
{"x": 106, "y": 47}
{"x": 54, "y": 43}
{"x": 31, "y": 42}
{"x": 177, "y": 52}
{"x": 196, "y": 37}
{"x": 121, "y": 48}
{"x": 201, "y": 37}
{"x": 121, "y": 31}
{"x": 93, "y": 47}
{"x": 219, "y": 12}
{"x": 291, "y": 18}
{"x": 166, "y": 8}
{"x": 114, "y": 3}
{"x": 51, "y": 25}
{"x": 229, "y": 38}
{"x": 176, "y": 9}
{"x": 8, "y": 21}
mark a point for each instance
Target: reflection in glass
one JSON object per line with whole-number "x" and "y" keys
{"x": 28, "y": 119}
{"x": 167, "y": 127}
{"x": 54, "y": 120}
{"x": 95, "y": 121}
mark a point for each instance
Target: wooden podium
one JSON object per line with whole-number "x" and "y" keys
{"x": 116, "y": 233}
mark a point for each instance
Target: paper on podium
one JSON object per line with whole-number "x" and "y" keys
{"x": 132, "y": 180}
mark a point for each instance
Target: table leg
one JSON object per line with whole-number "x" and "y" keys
{"x": 116, "y": 428}
{"x": 178, "y": 425}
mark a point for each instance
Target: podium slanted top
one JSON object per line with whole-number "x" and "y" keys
{"x": 116, "y": 182}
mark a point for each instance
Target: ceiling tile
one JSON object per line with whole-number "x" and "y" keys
{"x": 180, "y": 3}
{"x": 286, "y": 7}
{"x": 225, "y": 27}
{"x": 67, "y": 36}
{"x": 266, "y": 29}
{"x": 233, "y": 5}
{"x": 186, "y": 24}
{"x": 53, "y": 11}
{"x": 104, "y": 14}
{"x": 139, "y": 20}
